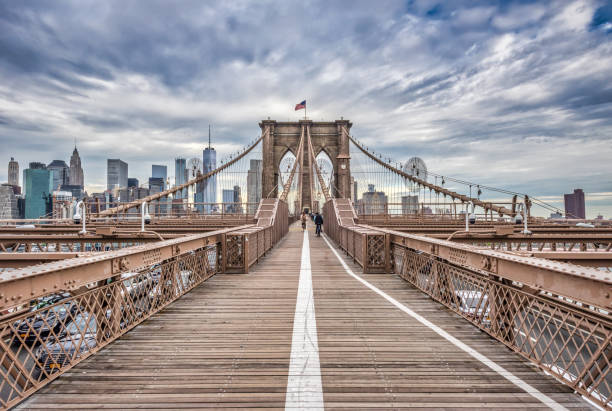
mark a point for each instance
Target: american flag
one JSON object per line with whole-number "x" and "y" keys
{"x": 300, "y": 106}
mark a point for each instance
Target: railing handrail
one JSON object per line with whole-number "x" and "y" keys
{"x": 31, "y": 282}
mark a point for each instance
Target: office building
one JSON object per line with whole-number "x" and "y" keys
{"x": 410, "y": 204}
{"x": 209, "y": 186}
{"x": 574, "y": 204}
{"x": 37, "y": 181}
{"x": 75, "y": 174}
{"x": 237, "y": 200}
{"x": 8, "y": 202}
{"x": 76, "y": 190}
{"x": 116, "y": 173}
{"x": 132, "y": 182}
{"x": 554, "y": 216}
{"x": 156, "y": 185}
{"x": 355, "y": 192}
{"x": 180, "y": 176}
{"x": 36, "y": 165}
{"x": 158, "y": 171}
{"x": 254, "y": 185}
{"x": 374, "y": 202}
{"x": 228, "y": 201}
{"x": 60, "y": 173}
{"x": 13, "y": 172}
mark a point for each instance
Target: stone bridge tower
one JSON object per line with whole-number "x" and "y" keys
{"x": 330, "y": 137}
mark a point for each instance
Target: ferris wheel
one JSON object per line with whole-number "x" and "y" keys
{"x": 194, "y": 165}
{"x": 415, "y": 167}
{"x": 285, "y": 167}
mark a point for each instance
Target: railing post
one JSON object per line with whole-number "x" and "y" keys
{"x": 245, "y": 252}
{"x": 387, "y": 253}
{"x": 364, "y": 250}
{"x": 223, "y": 253}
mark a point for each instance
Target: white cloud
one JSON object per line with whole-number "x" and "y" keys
{"x": 512, "y": 96}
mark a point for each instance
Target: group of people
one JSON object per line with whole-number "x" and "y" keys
{"x": 316, "y": 218}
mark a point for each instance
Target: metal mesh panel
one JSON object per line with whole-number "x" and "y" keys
{"x": 376, "y": 251}
{"x": 564, "y": 338}
{"x": 60, "y": 330}
{"x": 234, "y": 253}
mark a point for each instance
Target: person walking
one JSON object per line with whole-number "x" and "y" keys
{"x": 318, "y": 220}
{"x": 303, "y": 218}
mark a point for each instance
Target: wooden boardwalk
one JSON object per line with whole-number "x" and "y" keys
{"x": 227, "y": 344}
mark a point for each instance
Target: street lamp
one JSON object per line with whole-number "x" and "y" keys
{"x": 145, "y": 217}
{"x": 77, "y": 218}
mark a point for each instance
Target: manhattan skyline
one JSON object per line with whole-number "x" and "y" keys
{"x": 513, "y": 94}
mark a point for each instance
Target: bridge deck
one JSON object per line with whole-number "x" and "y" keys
{"x": 228, "y": 344}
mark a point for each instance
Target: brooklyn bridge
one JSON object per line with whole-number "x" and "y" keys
{"x": 448, "y": 294}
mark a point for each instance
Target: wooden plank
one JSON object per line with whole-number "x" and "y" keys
{"x": 227, "y": 344}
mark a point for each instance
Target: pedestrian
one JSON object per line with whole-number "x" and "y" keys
{"x": 318, "y": 220}
{"x": 303, "y": 218}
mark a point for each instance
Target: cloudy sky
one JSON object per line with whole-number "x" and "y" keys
{"x": 514, "y": 94}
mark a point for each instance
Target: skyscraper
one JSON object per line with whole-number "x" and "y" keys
{"x": 132, "y": 182}
{"x": 574, "y": 204}
{"x": 13, "y": 172}
{"x": 116, "y": 173}
{"x": 180, "y": 175}
{"x": 37, "y": 181}
{"x": 8, "y": 202}
{"x": 60, "y": 173}
{"x": 374, "y": 202}
{"x": 158, "y": 171}
{"x": 76, "y": 171}
{"x": 156, "y": 185}
{"x": 254, "y": 185}
{"x": 209, "y": 186}
{"x": 410, "y": 204}
{"x": 237, "y": 200}
{"x": 228, "y": 200}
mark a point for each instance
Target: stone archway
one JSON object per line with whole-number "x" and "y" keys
{"x": 331, "y": 137}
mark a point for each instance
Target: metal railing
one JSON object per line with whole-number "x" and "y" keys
{"x": 57, "y": 314}
{"x": 368, "y": 247}
{"x": 554, "y": 314}
{"x": 566, "y": 338}
{"x": 39, "y": 345}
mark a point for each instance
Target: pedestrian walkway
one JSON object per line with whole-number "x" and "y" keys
{"x": 232, "y": 342}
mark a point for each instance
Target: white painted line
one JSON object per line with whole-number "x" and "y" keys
{"x": 492, "y": 365}
{"x": 304, "y": 391}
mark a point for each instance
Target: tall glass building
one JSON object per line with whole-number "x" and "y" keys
{"x": 158, "y": 171}
{"x": 60, "y": 173}
{"x": 209, "y": 187}
{"x": 37, "y": 182}
{"x": 180, "y": 176}
{"x": 116, "y": 173}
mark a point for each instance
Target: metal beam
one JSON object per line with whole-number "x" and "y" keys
{"x": 21, "y": 260}
{"x": 584, "y": 284}
{"x": 19, "y": 286}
